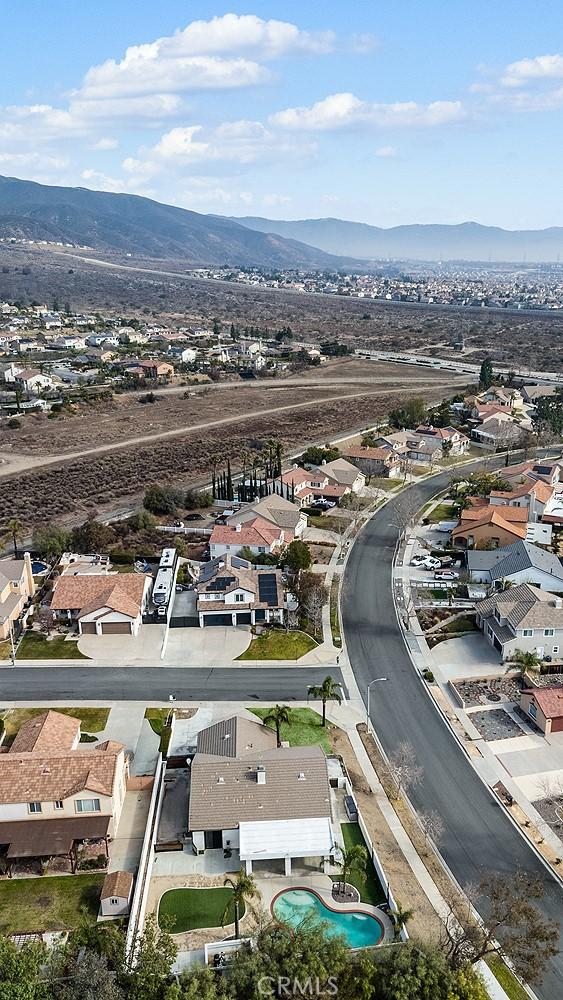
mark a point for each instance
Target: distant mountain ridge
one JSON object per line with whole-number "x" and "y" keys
{"x": 141, "y": 226}
{"x": 467, "y": 241}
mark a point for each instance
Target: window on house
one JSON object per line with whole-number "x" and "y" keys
{"x": 59, "y": 804}
{"x": 555, "y": 649}
{"x": 34, "y": 807}
{"x": 532, "y": 710}
{"x": 239, "y": 597}
{"x": 527, "y": 632}
{"x": 87, "y": 805}
{"x": 114, "y": 900}
{"x": 549, "y": 631}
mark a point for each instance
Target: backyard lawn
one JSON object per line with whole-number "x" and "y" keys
{"x": 93, "y": 720}
{"x": 369, "y": 886}
{"x": 35, "y": 646}
{"x": 304, "y": 728}
{"x": 193, "y": 908}
{"x": 276, "y": 644}
{"x": 33, "y": 905}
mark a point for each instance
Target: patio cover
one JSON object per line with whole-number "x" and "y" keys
{"x": 41, "y": 838}
{"x": 286, "y": 838}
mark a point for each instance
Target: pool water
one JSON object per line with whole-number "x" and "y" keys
{"x": 360, "y": 930}
{"x": 38, "y": 567}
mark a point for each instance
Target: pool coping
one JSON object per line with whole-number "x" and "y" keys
{"x": 350, "y": 908}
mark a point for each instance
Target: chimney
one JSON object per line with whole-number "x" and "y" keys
{"x": 558, "y": 602}
{"x": 238, "y": 527}
{"x": 260, "y": 775}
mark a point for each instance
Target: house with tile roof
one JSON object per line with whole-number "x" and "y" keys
{"x": 269, "y": 804}
{"x": 17, "y": 588}
{"x": 231, "y": 591}
{"x": 522, "y": 617}
{"x": 259, "y": 535}
{"x": 488, "y": 525}
{"x": 105, "y": 604}
{"x": 544, "y": 706}
{"x": 379, "y": 462}
{"x": 451, "y": 440}
{"x": 533, "y": 495}
{"x": 305, "y": 485}
{"x": 275, "y": 509}
{"x": 56, "y": 792}
{"x": 343, "y": 473}
{"x": 521, "y": 562}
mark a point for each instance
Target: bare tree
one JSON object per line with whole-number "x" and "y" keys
{"x": 404, "y": 770}
{"x": 432, "y": 827}
{"x": 313, "y": 602}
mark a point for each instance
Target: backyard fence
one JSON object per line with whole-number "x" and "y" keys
{"x": 140, "y": 895}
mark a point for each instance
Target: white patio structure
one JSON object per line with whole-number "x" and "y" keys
{"x": 287, "y": 840}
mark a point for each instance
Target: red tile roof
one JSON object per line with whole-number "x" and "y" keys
{"x": 256, "y": 532}
{"x": 549, "y": 699}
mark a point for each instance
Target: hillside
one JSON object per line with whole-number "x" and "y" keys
{"x": 137, "y": 225}
{"x": 467, "y": 241}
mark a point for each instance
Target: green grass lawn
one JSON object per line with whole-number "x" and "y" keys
{"x": 30, "y": 905}
{"x": 328, "y": 523}
{"x": 506, "y": 978}
{"x": 276, "y": 644}
{"x": 193, "y": 908}
{"x": 443, "y": 512}
{"x": 369, "y": 886}
{"x": 334, "y": 616}
{"x": 157, "y": 718}
{"x": 304, "y": 728}
{"x": 92, "y": 720}
{"x": 384, "y": 483}
{"x": 35, "y": 646}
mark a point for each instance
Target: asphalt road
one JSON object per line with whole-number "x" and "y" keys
{"x": 70, "y": 684}
{"x": 479, "y": 838}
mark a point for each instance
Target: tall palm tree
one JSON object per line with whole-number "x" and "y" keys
{"x": 13, "y": 529}
{"x": 244, "y": 890}
{"x": 353, "y": 860}
{"x": 280, "y": 715}
{"x": 329, "y": 690}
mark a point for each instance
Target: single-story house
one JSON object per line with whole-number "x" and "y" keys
{"x": 231, "y": 591}
{"x": 259, "y": 535}
{"x": 521, "y": 562}
{"x": 268, "y": 803}
{"x": 32, "y": 380}
{"x": 544, "y": 706}
{"x": 380, "y": 462}
{"x": 115, "y": 897}
{"x": 488, "y": 524}
{"x": 277, "y": 511}
{"x": 106, "y": 604}
{"x": 17, "y": 587}
{"x": 522, "y": 617}
{"x": 56, "y": 792}
{"x": 186, "y": 355}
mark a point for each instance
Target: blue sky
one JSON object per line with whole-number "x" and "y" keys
{"x": 379, "y": 112}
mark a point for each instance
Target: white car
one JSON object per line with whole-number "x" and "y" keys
{"x": 417, "y": 560}
{"x": 446, "y": 574}
{"x": 430, "y": 562}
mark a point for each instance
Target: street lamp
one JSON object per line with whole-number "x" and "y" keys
{"x": 374, "y": 681}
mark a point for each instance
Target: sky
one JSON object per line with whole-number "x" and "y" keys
{"x": 369, "y": 110}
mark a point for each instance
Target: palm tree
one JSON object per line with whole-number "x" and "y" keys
{"x": 244, "y": 890}
{"x": 401, "y": 917}
{"x": 280, "y": 715}
{"x": 329, "y": 690}
{"x": 13, "y": 529}
{"x": 353, "y": 860}
{"x": 527, "y": 660}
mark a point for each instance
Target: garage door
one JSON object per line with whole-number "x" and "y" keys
{"x": 88, "y": 628}
{"x": 116, "y": 628}
{"x": 218, "y": 620}
{"x": 244, "y": 618}
{"x": 557, "y": 726}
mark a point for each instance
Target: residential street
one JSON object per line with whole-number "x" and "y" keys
{"x": 479, "y": 838}
{"x": 67, "y": 685}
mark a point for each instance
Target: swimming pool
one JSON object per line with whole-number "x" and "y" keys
{"x": 38, "y": 567}
{"x": 359, "y": 928}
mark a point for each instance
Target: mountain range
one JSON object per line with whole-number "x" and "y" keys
{"x": 468, "y": 241}
{"x": 131, "y": 224}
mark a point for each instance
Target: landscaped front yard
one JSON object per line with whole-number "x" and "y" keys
{"x": 35, "y": 646}
{"x": 369, "y": 886}
{"x": 33, "y": 905}
{"x": 157, "y": 718}
{"x": 190, "y": 909}
{"x": 92, "y": 720}
{"x": 276, "y": 644}
{"x": 304, "y": 728}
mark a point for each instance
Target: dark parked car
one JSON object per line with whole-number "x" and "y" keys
{"x": 194, "y": 517}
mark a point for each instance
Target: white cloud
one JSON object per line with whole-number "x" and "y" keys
{"x": 19, "y": 161}
{"x": 363, "y": 43}
{"x": 345, "y": 109}
{"x": 204, "y": 55}
{"x": 100, "y": 181}
{"x": 525, "y": 71}
{"x": 386, "y": 152}
{"x": 106, "y": 144}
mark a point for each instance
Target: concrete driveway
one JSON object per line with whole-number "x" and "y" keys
{"x": 190, "y": 647}
{"x": 469, "y": 656}
{"x": 125, "y": 650}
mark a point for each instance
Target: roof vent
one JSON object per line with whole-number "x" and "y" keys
{"x": 260, "y": 775}
{"x": 301, "y": 776}
{"x": 220, "y": 781}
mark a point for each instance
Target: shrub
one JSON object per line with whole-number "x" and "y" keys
{"x": 14, "y": 423}
{"x": 122, "y": 557}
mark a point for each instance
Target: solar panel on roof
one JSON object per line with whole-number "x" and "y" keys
{"x": 268, "y": 589}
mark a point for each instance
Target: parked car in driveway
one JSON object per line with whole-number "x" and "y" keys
{"x": 323, "y": 504}
{"x": 430, "y": 562}
{"x": 194, "y": 517}
{"x": 446, "y": 574}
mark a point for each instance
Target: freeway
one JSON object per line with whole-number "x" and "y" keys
{"x": 66, "y": 685}
{"x": 479, "y": 837}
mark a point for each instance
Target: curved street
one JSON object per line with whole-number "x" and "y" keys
{"x": 479, "y": 838}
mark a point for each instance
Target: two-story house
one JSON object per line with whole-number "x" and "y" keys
{"x": 231, "y": 591}
{"x": 379, "y": 462}
{"x": 56, "y": 792}
{"x": 258, "y": 535}
{"x": 17, "y": 587}
{"x": 451, "y": 440}
{"x": 522, "y": 617}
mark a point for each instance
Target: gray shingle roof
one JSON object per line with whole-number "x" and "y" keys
{"x": 524, "y": 555}
{"x": 524, "y": 606}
